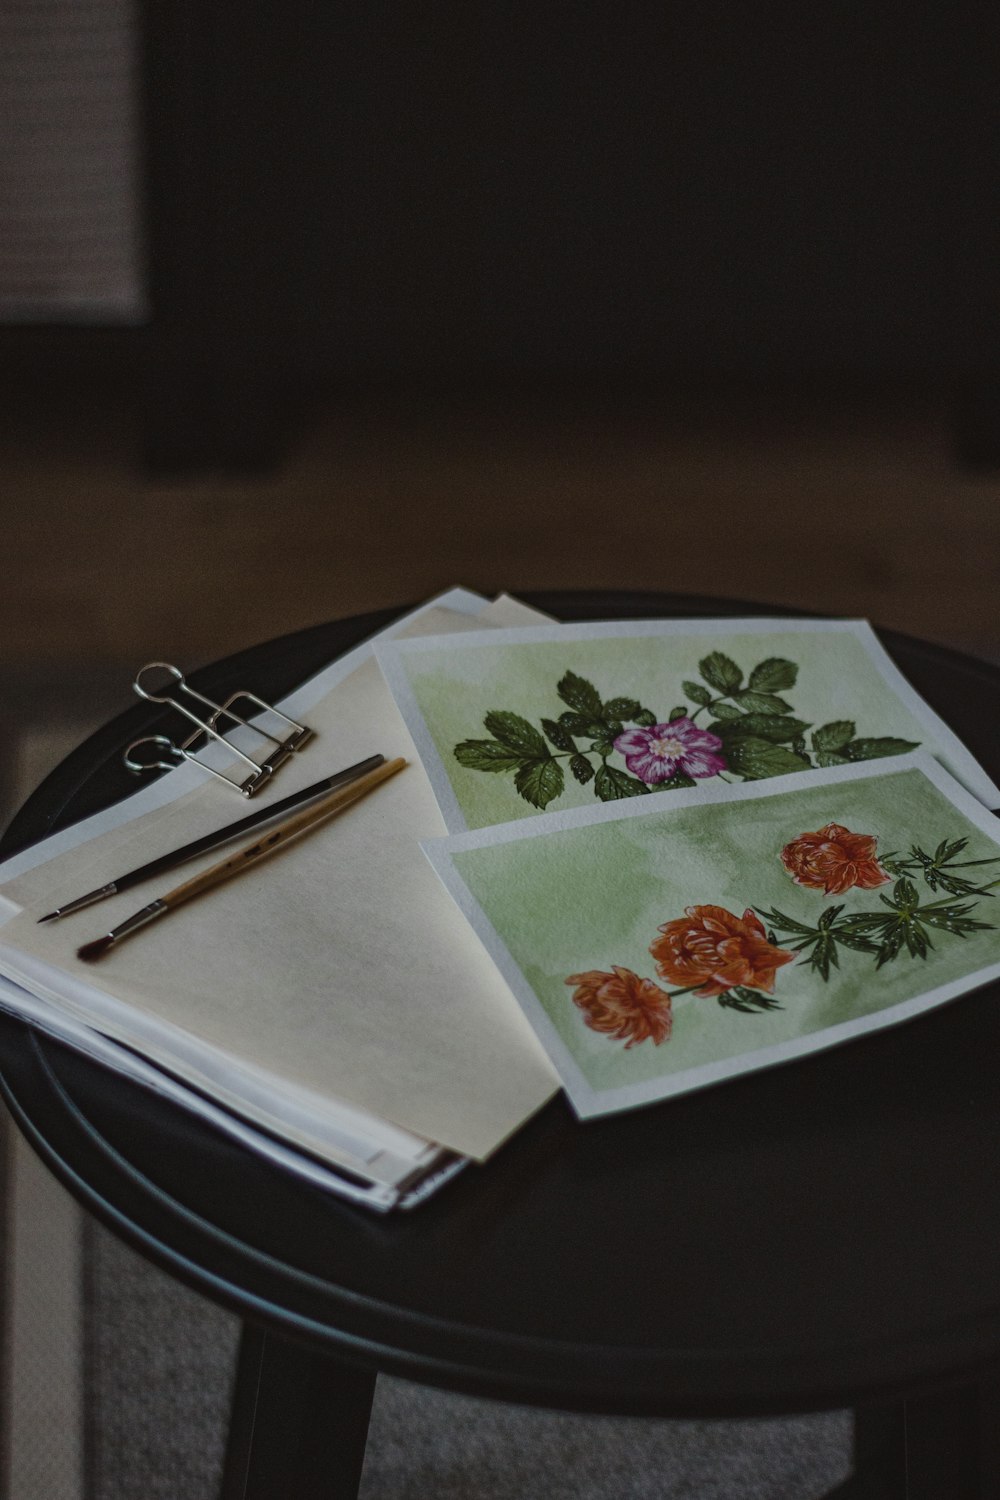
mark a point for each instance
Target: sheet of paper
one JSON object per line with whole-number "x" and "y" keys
{"x": 546, "y": 717}
{"x": 54, "y": 1022}
{"x": 661, "y": 945}
{"x": 340, "y": 965}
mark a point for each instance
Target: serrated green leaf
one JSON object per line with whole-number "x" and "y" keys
{"x": 580, "y": 694}
{"x": 756, "y": 759}
{"x": 781, "y": 728}
{"x": 773, "y": 675}
{"x": 645, "y": 717}
{"x": 833, "y": 736}
{"x": 726, "y": 711}
{"x": 874, "y": 749}
{"x": 673, "y": 783}
{"x": 828, "y": 758}
{"x": 610, "y": 784}
{"x": 582, "y": 769}
{"x": 581, "y": 724}
{"x": 517, "y": 733}
{"x": 603, "y": 748}
{"x": 720, "y": 672}
{"x": 621, "y": 708}
{"x": 559, "y": 735}
{"x": 486, "y": 755}
{"x": 697, "y": 693}
{"x": 539, "y": 781}
{"x": 761, "y": 703}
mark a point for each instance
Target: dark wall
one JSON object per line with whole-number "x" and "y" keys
{"x": 652, "y": 187}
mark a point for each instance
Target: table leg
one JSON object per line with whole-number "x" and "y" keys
{"x": 946, "y": 1443}
{"x": 299, "y": 1423}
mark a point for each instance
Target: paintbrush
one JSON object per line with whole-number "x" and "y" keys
{"x": 210, "y": 841}
{"x": 301, "y": 822}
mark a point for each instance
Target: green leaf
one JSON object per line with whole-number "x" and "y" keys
{"x": 781, "y": 728}
{"x": 486, "y": 755}
{"x": 580, "y": 724}
{"x": 773, "y": 675}
{"x": 755, "y": 759}
{"x": 824, "y": 955}
{"x": 559, "y": 735}
{"x": 680, "y": 712}
{"x": 831, "y": 758}
{"x": 697, "y": 693}
{"x": 891, "y": 944}
{"x": 621, "y": 708}
{"x": 582, "y": 769}
{"x": 783, "y": 923}
{"x": 749, "y": 1001}
{"x": 645, "y": 717}
{"x": 761, "y": 703}
{"x": 673, "y": 783}
{"x": 603, "y": 748}
{"x": 833, "y": 736}
{"x": 720, "y": 672}
{"x": 517, "y": 733}
{"x": 904, "y": 894}
{"x": 580, "y": 694}
{"x": 539, "y": 781}
{"x": 726, "y": 711}
{"x": 866, "y": 749}
{"x": 611, "y": 783}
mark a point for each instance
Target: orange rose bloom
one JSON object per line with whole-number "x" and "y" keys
{"x": 622, "y": 1005}
{"x": 834, "y": 860}
{"x": 712, "y": 945}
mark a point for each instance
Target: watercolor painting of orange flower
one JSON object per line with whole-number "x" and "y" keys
{"x": 622, "y": 1005}
{"x": 834, "y": 860}
{"x": 710, "y": 950}
{"x": 711, "y": 953}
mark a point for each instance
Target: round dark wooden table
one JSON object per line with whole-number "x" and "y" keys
{"x": 819, "y": 1235}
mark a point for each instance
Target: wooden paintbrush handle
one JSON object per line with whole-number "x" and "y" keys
{"x": 274, "y": 838}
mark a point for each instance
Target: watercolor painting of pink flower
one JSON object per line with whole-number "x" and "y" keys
{"x": 665, "y": 750}
{"x": 622, "y": 1005}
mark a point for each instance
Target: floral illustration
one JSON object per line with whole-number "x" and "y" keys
{"x": 623, "y": 1006}
{"x": 749, "y": 732}
{"x": 665, "y": 750}
{"x": 710, "y": 952}
{"x": 834, "y": 860}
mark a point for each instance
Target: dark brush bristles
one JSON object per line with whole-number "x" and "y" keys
{"x": 91, "y": 951}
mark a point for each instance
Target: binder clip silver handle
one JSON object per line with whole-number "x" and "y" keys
{"x": 217, "y": 725}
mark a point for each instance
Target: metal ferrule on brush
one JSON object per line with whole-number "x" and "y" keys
{"x": 138, "y": 919}
{"x": 81, "y": 901}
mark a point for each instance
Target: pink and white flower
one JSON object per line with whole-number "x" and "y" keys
{"x": 661, "y": 751}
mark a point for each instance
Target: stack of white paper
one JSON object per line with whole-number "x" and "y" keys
{"x": 332, "y": 1009}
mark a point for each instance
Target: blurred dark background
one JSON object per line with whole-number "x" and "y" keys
{"x": 311, "y": 309}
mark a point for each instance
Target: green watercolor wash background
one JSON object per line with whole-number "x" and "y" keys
{"x": 456, "y": 686}
{"x": 590, "y": 897}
